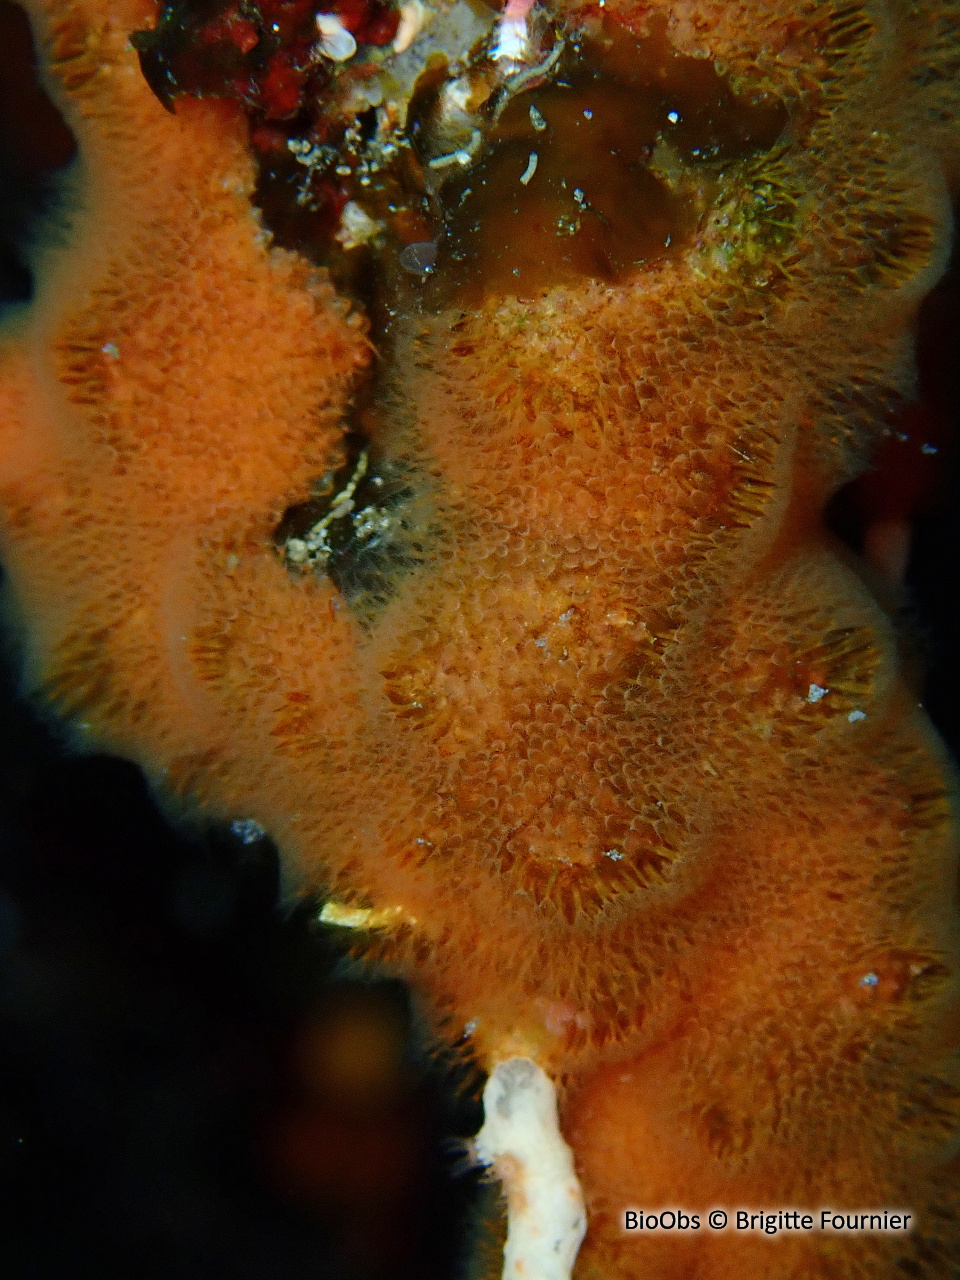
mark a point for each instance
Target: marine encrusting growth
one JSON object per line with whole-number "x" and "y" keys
{"x": 422, "y": 452}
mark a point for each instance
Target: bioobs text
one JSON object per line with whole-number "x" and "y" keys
{"x": 768, "y": 1222}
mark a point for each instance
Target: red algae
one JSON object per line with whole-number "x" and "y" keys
{"x": 475, "y": 552}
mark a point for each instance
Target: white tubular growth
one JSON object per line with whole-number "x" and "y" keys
{"x": 546, "y": 1218}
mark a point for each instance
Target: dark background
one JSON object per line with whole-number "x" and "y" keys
{"x": 194, "y": 1082}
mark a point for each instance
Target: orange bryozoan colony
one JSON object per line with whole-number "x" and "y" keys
{"x": 495, "y": 587}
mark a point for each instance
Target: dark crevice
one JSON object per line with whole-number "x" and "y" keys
{"x": 595, "y": 155}
{"x": 358, "y": 526}
{"x": 910, "y": 495}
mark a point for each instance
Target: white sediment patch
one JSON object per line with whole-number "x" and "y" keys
{"x": 520, "y": 1138}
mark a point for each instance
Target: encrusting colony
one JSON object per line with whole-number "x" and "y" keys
{"x": 568, "y": 699}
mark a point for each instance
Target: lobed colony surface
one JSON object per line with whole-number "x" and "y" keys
{"x": 418, "y": 446}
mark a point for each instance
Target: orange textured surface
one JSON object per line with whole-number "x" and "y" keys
{"x": 582, "y": 742}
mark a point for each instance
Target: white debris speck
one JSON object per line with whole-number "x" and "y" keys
{"x": 546, "y": 1218}
{"x": 536, "y": 119}
{"x": 470, "y": 1027}
{"x": 816, "y": 692}
{"x": 342, "y": 506}
{"x": 929, "y": 448}
{"x": 248, "y": 830}
{"x": 869, "y": 980}
{"x": 306, "y": 153}
{"x": 530, "y": 170}
{"x": 613, "y": 854}
{"x": 856, "y": 716}
{"x": 673, "y": 117}
{"x": 356, "y": 226}
{"x": 588, "y": 114}
{"x": 452, "y": 157}
{"x": 314, "y": 547}
{"x": 371, "y": 523}
{"x": 412, "y": 20}
{"x": 111, "y": 349}
{"x": 336, "y": 42}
